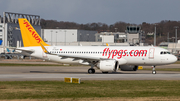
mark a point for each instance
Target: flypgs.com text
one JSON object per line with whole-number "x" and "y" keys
{"x": 121, "y": 53}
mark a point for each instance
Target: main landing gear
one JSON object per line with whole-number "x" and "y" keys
{"x": 91, "y": 70}
{"x": 153, "y": 70}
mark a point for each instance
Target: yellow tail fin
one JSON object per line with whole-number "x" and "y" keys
{"x": 29, "y": 35}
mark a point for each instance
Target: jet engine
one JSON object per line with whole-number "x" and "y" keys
{"x": 128, "y": 67}
{"x": 107, "y": 65}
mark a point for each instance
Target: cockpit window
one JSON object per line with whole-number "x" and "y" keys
{"x": 164, "y": 52}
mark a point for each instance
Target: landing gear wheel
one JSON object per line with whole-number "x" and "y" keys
{"x": 104, "y": 72}
{"x": 91, "y": 71}
{"x": 153, "y": 72}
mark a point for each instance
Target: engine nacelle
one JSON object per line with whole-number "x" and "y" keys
{"x": 108, "y": 65}
{"x": 128, "y": 67}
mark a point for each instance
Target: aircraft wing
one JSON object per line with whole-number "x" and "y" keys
{"x": 76, "y": 57}
{"x": 84, "y": 59}
{"x": 79, "y": 57}
{"x": 25, "y": 51}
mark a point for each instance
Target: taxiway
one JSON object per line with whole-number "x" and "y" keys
{"x": 36, "y": 73}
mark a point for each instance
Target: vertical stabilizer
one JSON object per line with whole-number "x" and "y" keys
{"x": 29, "y": 35}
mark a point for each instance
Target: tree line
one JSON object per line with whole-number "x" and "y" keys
{"x": 162, "y": 28}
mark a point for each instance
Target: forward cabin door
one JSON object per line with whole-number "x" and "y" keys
{"x": 151, "y": 53}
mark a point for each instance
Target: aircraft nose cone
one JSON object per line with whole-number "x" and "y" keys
{"x": 173, "y": 59}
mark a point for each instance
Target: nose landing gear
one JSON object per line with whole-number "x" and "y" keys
{"x": 153, "y": 70}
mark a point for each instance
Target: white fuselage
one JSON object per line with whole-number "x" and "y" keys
{"x": 127, "y": 55}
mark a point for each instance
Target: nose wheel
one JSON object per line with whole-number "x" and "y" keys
{"x": 91, "y": 71}
{"x": 153, "y": 70}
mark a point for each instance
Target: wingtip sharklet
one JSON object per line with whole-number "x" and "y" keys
{"x": 44, "y": 49}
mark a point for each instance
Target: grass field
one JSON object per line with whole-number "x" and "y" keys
{"x": 90, "y": 90}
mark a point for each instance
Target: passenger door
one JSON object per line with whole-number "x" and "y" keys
{"x": 151, "y": 53}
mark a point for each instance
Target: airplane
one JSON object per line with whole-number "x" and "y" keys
{"x": 105, "y": 58}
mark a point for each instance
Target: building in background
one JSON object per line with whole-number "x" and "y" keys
{"x": 56, "y": 36}
{"x": 133, "y": 35}
{"x": 111, "y": 37}
{"x": 10, "y": 34}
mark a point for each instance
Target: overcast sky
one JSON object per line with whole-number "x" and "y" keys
{"x": 89, "y": 11}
